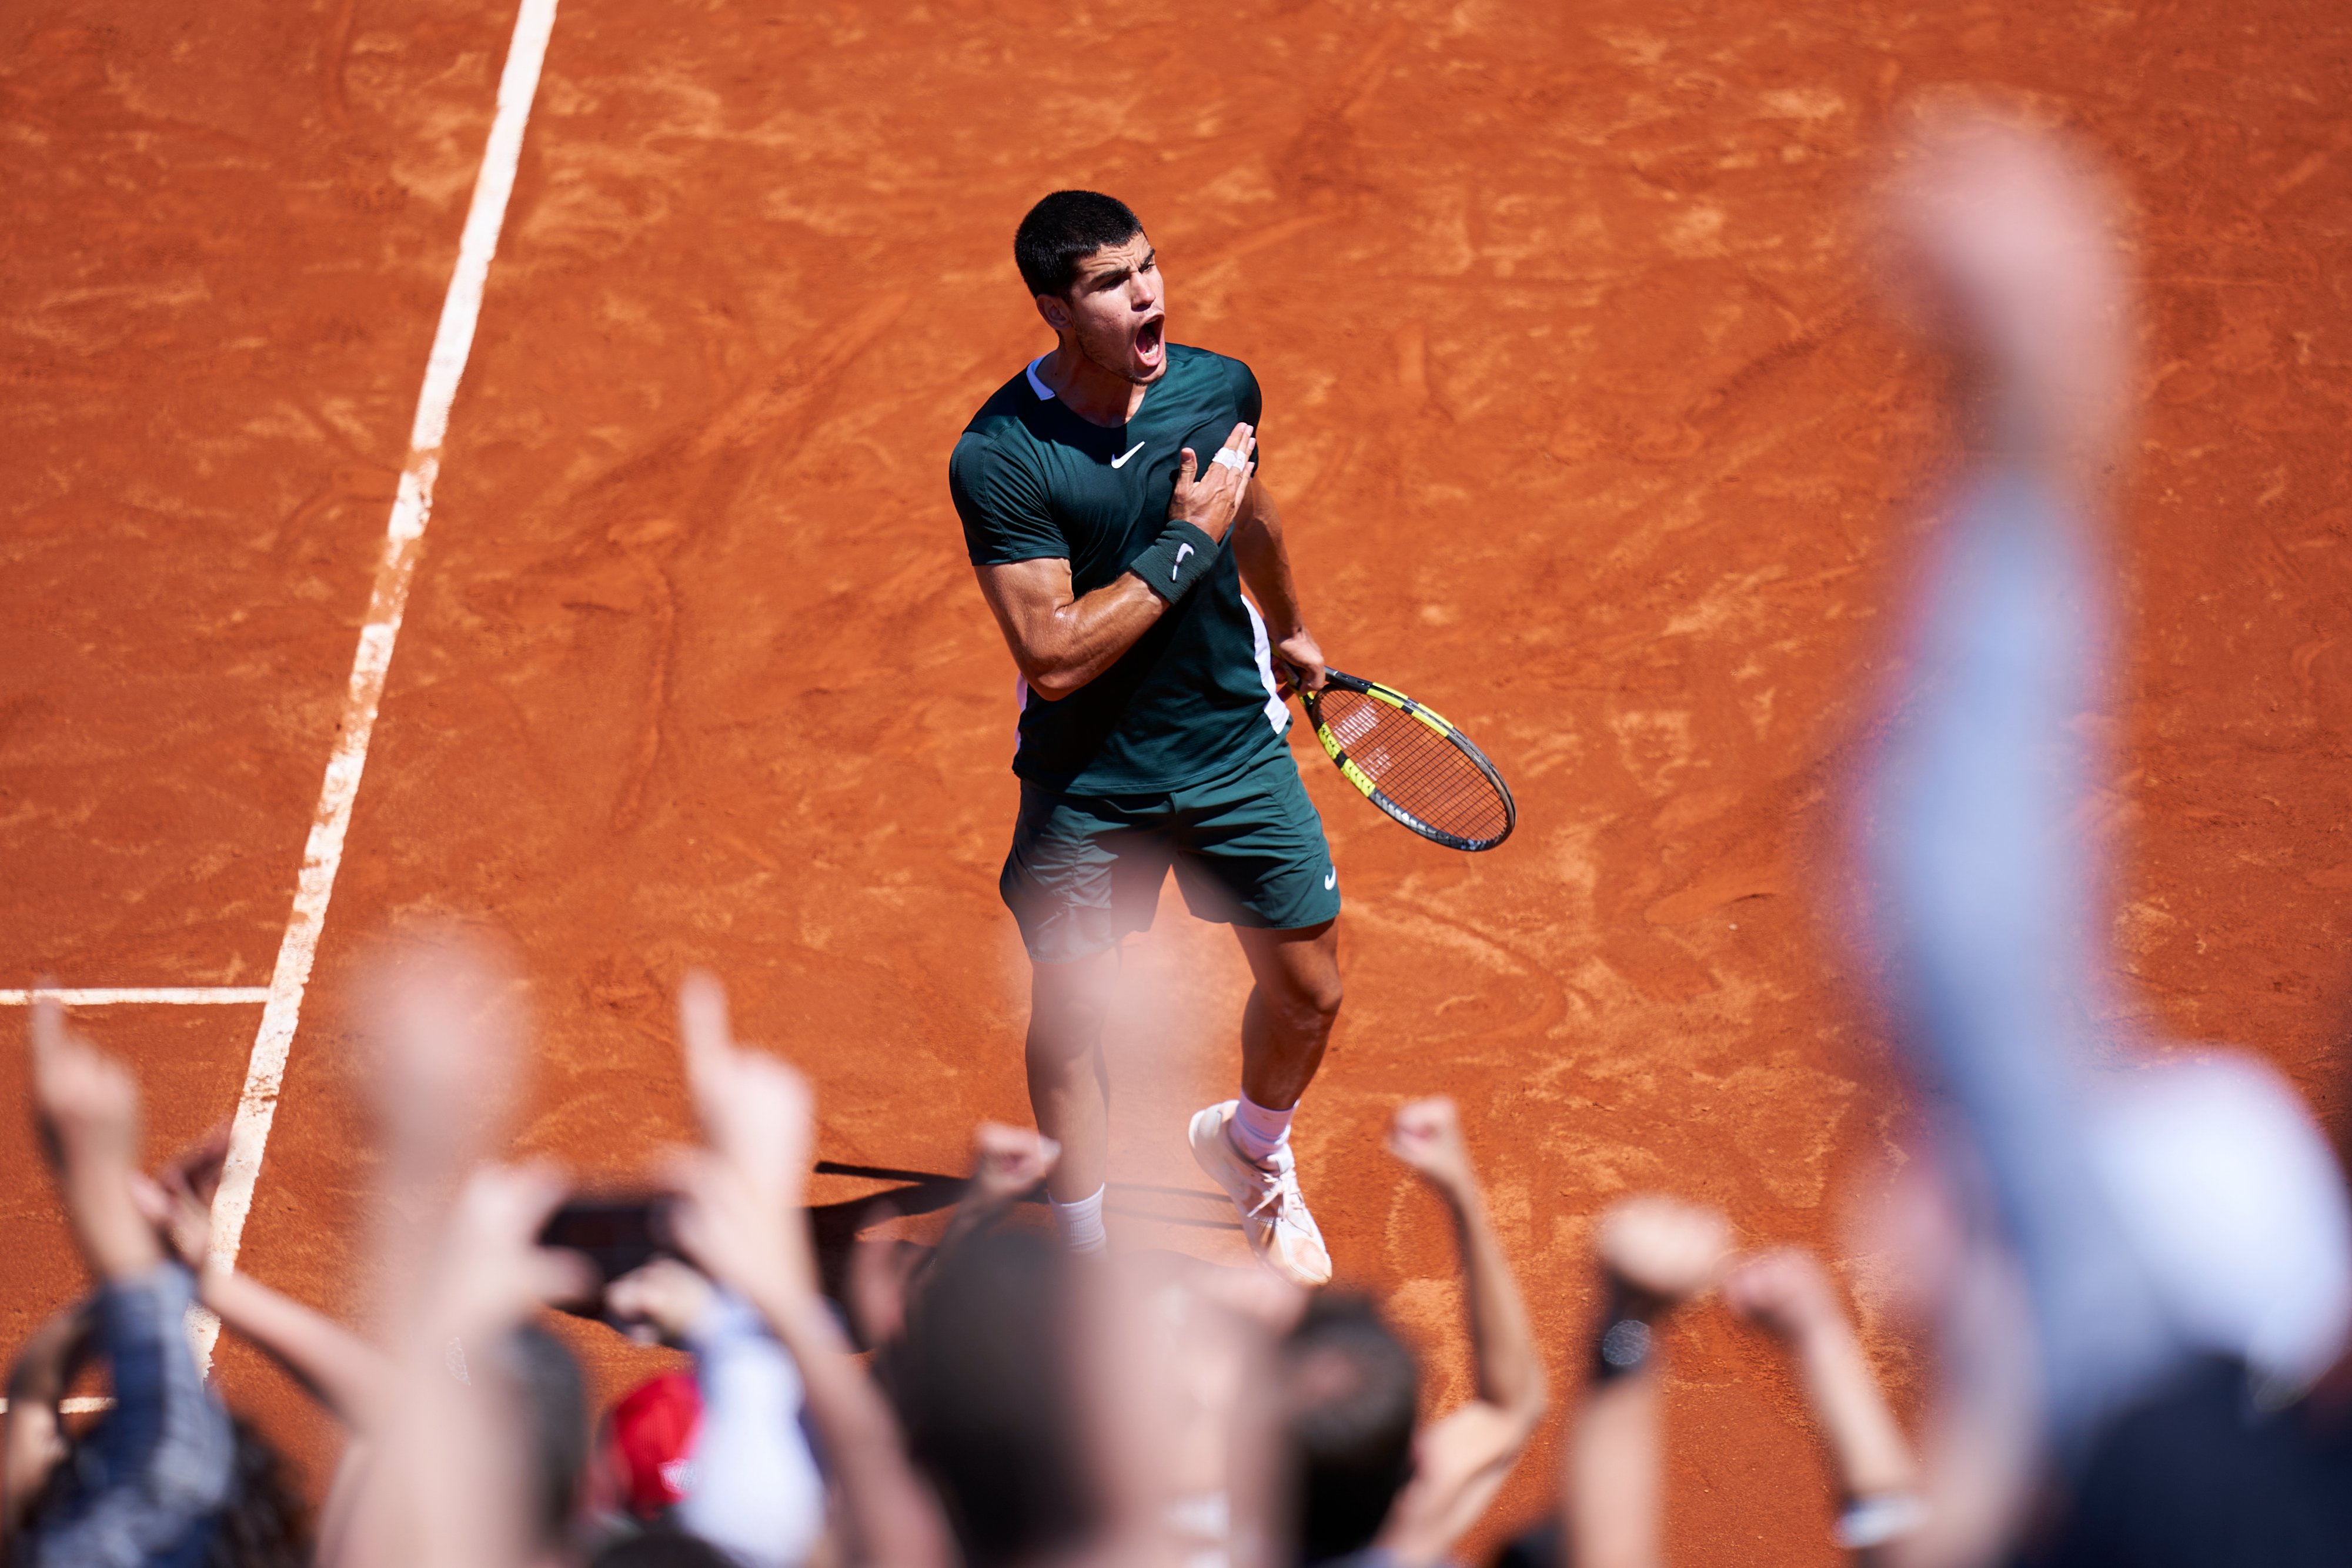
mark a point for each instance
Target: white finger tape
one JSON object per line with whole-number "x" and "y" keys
{"x": 1227, "y": 457}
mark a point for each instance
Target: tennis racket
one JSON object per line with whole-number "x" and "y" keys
{"x": 1410, "y": 763}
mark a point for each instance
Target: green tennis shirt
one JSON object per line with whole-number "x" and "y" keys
{"x": 1032, "y": 481}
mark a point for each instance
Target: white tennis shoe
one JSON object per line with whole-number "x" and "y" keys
{"x": 1273, "y": 1215}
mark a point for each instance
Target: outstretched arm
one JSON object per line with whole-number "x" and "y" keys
{"x": 87, "y": 1108}
{"x": 1986, "y": 899}
{"x": 334, "y": 1365}
{"x": 1787, "y": 1293}
{"x": 1655, "y": 1254}
{"x": 1461, "y": 1461}
{"x": 165, "y": 1455}
{"x": 1061, "y": 639}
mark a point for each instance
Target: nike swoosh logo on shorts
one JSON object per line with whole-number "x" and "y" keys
{"x": 1181, "y": 551}
{"x": 1120, "y": 461}
{"x": 1330, "y": 879}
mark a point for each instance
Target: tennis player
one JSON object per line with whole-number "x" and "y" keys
{"x": 1112, "y": 514}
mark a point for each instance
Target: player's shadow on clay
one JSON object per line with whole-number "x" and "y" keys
{"x": 836, "y": 1225}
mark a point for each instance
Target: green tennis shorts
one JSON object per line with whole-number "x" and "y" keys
{"x": 1247, "y": 849}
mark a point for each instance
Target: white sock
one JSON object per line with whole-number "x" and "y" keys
{"x": 1081, "y": 1223}
{"x": 1258, "y": 1133}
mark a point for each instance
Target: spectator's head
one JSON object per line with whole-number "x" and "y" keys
{"x": 552, "y": 1406}
{"x": 1351, "y": 1394}
{"x": 266, "y": 1524}
{"x": 983, "y": 1382}
{"x": 263, "y": 1524}
{"x": 661, "y": 1549}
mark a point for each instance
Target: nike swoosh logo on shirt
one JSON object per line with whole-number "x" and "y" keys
{"x": 1181, "y": 551}
{"x": 1120, "y": 461}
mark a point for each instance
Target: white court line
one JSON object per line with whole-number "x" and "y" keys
{"x": 452, "y": 341}
{"x": 137, "y": 996}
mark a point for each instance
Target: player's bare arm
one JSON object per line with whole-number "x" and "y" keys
{"x": 1060, "y": 640}
{"x": 1265, "y": 572}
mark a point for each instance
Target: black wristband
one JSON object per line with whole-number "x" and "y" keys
{"x": 1182, "y": 556}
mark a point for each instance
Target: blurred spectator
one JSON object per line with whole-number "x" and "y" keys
{"x": 1368, "y": 1481}
{"x": 2113, "y": 1234}
{"x": 148, "y": 1484}
{"x": 662, "y": 1549}
{"x": 975, "y": 1347}
{"x": 553, "y": 1398}
{"x": 741, "y": 1218}
{"x": 722, "y": 1453}
{"x": 985, "y": 1381}
{"x": 1655, "y": 1254}
{"x": 335, "y": 1366}
{"x": 477, "y": 1472}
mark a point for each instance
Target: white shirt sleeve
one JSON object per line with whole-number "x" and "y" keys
{"x": 756, "y": 1492}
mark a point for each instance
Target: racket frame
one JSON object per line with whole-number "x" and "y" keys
{"x": 1437, "y": 723}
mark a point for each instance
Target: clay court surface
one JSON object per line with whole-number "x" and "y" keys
{"x": 1587, "y": 430}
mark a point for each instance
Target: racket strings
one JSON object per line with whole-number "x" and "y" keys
{"x": 1418, "y": 768}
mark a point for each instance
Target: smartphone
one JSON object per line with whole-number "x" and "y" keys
{"x": 616, "y": 1232}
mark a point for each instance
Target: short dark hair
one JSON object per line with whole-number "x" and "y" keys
{"x": 551, "y": 1399}
{"x": 660, "y": 1549}
{"x": 983, "y": 1385}
{"x": 1065, "y": 229}
{"x": 265, "y": 1524}
{"x": 1351, "y": 1396}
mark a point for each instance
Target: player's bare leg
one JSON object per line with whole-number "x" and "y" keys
{"x": 1287, "y": 1022}
{"x": 1069, "y": 1086}
{"x": 1245, "y": 1143}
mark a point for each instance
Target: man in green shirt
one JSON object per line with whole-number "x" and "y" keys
{"x": 1152, "y": 727}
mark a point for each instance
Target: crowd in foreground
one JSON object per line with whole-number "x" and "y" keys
{"x": 2132, "y": 1263}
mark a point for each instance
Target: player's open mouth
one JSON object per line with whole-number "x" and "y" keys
{"x": 1149, "y": 339}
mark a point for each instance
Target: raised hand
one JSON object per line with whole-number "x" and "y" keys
{"x": 1006, "y": 1163}
{"x": 665, "y": 1297}
{"x": 489, "y": 1271}
{"x": 757, "y": 1113}
{"x": 177, "y": 1200}
{"x": 1210, "y": 497}
{"x": 1009, "y": 1160}
{"x": 1427, "y": 1136}
{"x": 86, "y": 1105}
{"x": 1784, "y": 1292}
{"x": 1662, "y": 1249}
{"x": 85, "y": 1102}
{"x": 731, "y": 1231}
{"x": 2003, "y": 253}
{"x": 447, "y": 1032}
